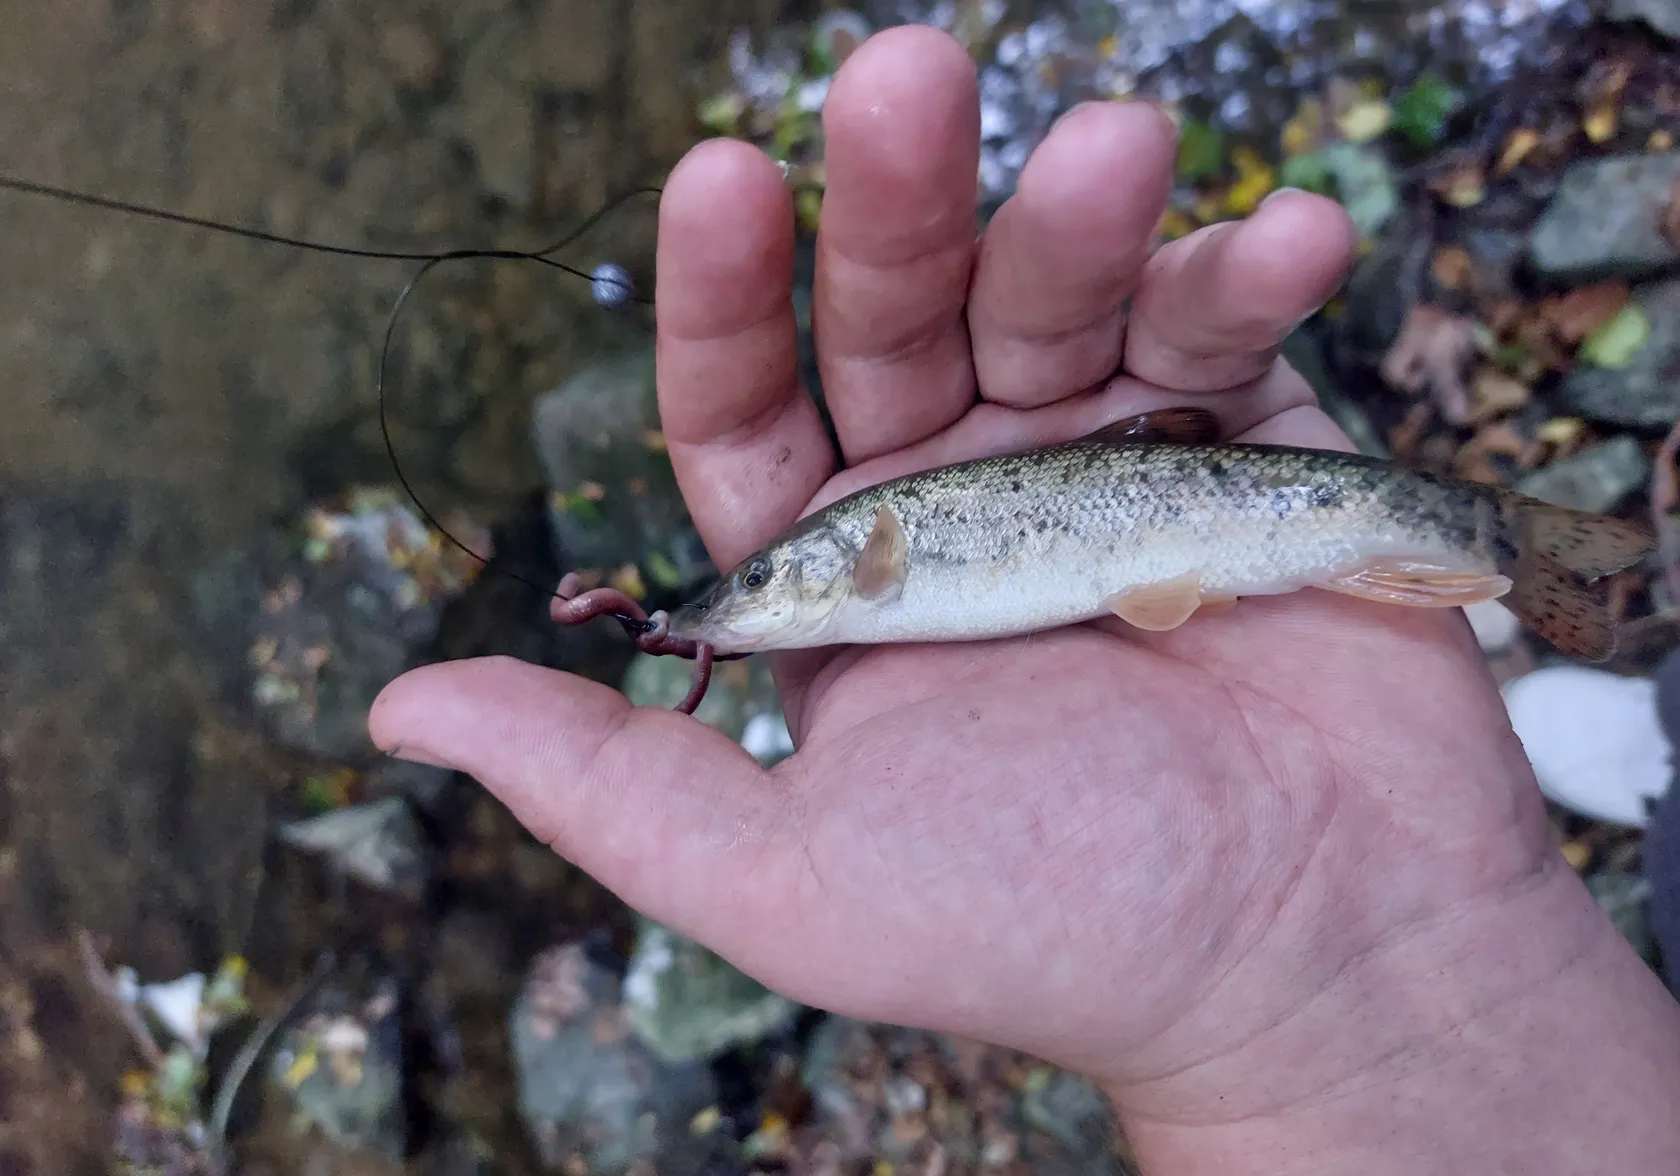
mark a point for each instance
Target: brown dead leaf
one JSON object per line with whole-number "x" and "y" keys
{"x": 1504, "y": 316}
{"x": 1661, "y": 141}
{"x": 1495, "y": 393}
{"x": 1403, "y": 438}
{"x": 1430, "y": 356}
{"x": 1575, "y": 315}
{"x": 1522, "y": 141}
{"x": 1451, "y": 267}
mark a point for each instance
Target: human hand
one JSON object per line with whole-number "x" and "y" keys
{"x": 1173, "y": 861}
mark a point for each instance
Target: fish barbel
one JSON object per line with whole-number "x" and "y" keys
{"x": 1151, "y": 520}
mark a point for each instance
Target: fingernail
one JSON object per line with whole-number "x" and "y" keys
{"x": 1072, "y": 110}
{"x": 415, "y": 755}
{"x": 1274, "y": 194}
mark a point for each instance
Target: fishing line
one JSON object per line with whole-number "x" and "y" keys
{"x": 621, "y": 292}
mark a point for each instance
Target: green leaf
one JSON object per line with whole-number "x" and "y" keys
{"x": 1308, "y": 172}
{"x": 1201, "y": 151}
{"x": 1421, "y": 110}
{"x": 1615, "y": 343}
{"x": 662, "y": 571}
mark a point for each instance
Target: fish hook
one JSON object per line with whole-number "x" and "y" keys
{"x": 650, "y": 632}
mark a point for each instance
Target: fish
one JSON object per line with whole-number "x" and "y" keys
{"x": 1153, "y": 520}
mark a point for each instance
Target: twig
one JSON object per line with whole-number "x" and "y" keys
{"x": 105, "y": 984}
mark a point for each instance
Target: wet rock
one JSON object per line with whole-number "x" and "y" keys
{"x": 1594, "y": 740}
{"x": 742, "y": 700}
{"x": 592, "y": 1096}
{"x": 342, "y": 1064}
{"x": 1604, "y": 220}
{"x": 350, "y": 611}
{"x": 1595, "y": 479}
{"x": 688, "y": 1004}
{"x": 615, "y": 505}
{"x": 1496, "y": 256}
{"x": 1644, "y": 394}
{"x": 1661, "y": 15}
{"x": 928, "y": 1102}
{"x": 1622, "y": 895}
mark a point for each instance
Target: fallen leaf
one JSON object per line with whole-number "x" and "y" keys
{"x": 1255, "y": 179}
{"x": 1496, "y": 394}
{"x": 1421, "y": 110}
{"x": 1403, "y": 438}
{"x": 1201, "y": 151}
{"x": 1614, "y": 344}
{"x": 1302, "y": 133}
{"x": 1600, "y": 122}
{"x": 1577, "y": 854}
{"x": 1522, "y": 141}
{"x": 1583, "y": 310}
{"x": 1364, "y": 120}
{"x": 1451, "y": 267}
{"x": 1562, "y": 432}
{"x": 1430, "y": 355}
{"x": 1659, "y": 142}
{"x": 1463, "y": 185}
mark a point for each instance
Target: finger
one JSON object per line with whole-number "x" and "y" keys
{"x": 991, "y": 429}
{"x": 669, "y": 814}
{"x": 747, "y": 444}
{"x": 1066, "y": 250}
{"x": 895, "y": 247}
{"x": 1305, "y": 425}
{"x": 1213, "y": 307}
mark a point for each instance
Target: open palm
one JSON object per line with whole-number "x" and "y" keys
{"x": 1138, "y": 854}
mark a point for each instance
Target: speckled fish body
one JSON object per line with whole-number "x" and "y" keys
{"x": 1149, "y": 532}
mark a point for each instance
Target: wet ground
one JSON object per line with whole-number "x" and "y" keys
{"x": 177, "y": 402}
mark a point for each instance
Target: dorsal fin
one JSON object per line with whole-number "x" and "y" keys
{"x": 1179, "y": 426}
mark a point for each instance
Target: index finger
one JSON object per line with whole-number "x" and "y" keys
{"x": 746, "y": 442}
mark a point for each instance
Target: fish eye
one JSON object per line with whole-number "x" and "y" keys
{"x": 755, "y": 575}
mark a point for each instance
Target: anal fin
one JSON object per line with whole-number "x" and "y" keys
{"x": 1181, "y": 426}
{"x": 1161, "y": 606}
{"x": 1416, "y": 583}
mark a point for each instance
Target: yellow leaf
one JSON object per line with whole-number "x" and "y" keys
{"x": 1300, "y": 134}
{"x": 1560, "y": 431}
{"x": 1600, "y": 123}
{"x": 628, "y": 580}
{"x": 1522, "y": 141}
{"x": 306, "y": 1064}
{"x": 1174, "y": 224}
{"x": 1254, "y": 181}
{"x": 1660, "y": 141}
{"x": 1577, "y": 854}
{"x": 1364, "y": 120}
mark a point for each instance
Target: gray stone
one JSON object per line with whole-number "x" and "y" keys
{"x": 688, "y": 1004}
{"x": 1661, "y": 15}
{"x": 587, "y": 1089}
{"x": 1603, "y": 220}
{"x": 615, "y": 499}
{"x": 342, "y": 1065}
{"x": 1595, "y": 479}
{"x": 1495, "y": 257}
{"x": 1645, "y": 393}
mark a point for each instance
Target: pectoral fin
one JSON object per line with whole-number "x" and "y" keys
{"x": 1181, "y": 426}
{"x": 1418, "y": 583}
{"x": 1158, "y": 607}
{"x": 884, "y": 563}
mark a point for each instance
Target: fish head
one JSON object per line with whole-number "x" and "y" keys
{"x": 780, "y": 597}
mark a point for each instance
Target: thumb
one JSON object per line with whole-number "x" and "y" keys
{"x": 671, "y": 815}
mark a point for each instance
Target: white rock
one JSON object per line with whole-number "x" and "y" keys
{"x": 1594, "y": 740}
{"x": 1495, "y": 625}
